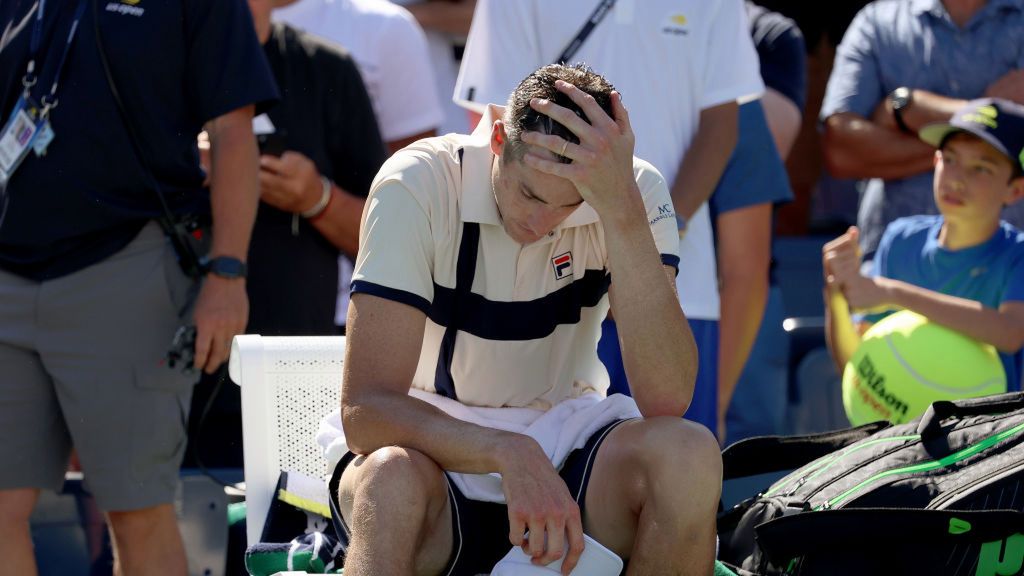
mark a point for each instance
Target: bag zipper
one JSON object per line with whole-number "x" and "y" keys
{"x": 966, "y": 489}
{"x": 823, "y": 465}
{"x": 927, "y": 466}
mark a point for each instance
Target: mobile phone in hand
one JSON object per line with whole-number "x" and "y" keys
{"x": 272, "y": 144}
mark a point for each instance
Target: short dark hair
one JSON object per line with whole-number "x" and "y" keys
{"x": 519, "y": 117}
{"x": 1016, "y": 171}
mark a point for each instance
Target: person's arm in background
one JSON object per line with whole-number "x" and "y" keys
{"x": 704, "y": 161}
{"x": 856, "y": 147}
{"x": 1002, "y": 327}
{"x": 405, "y": 66}
{"x": 744, "y": 255}
{"x": 784, "y": 120}
{"x": 731, "y": 75}
{"x": 841, "y": 259}
{"x": 853, "y": 146}
{"x": 754, "y": 182}
{"x": 222, "y": 308}
{"x": 293, "y": 183}
{"x": 448, "y": 16}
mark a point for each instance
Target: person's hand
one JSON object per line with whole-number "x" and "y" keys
{"x": 1009, "y": 86}
{"x": 841, "y": 259}
{"x": 539, "y": 502}
{"x": 602, "y": 162}
{"x": 221, "y": 313}
{"x": 290, "y": 183}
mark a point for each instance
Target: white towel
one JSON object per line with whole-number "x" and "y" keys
{"x": 560, "y": 430}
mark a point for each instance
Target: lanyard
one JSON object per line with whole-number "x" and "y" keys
{"x": 595, "y": 18}
{"x": 49, "y": 101}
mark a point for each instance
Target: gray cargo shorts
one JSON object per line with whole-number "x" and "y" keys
{"x": 81, "y": 364}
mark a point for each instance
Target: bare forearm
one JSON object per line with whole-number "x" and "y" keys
{"x": 929, "y": 108}
{"x": 234, "y": 188}
{"x": 744, "y": 255}
{"x": 380, "y": 419}
{"x": 1002, "y": 329}
{"x": 841, "y": 335}
{"x": 743, "y": 301}
{"x": 658, "y": 349}
{"x": 444, "y": 16}
{"x": 339, "y": 223}
{"x": 705, "y": 160}
{"x": 858, "y": 148}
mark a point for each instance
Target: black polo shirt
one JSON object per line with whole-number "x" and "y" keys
{"x": 324, "y": 113}
{"x": 176, "y": 63}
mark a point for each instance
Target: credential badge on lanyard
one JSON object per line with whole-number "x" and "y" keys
{"x": 28, "y": 126}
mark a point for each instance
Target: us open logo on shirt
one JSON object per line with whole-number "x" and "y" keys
{"x": 675, "y": 25}
{"x": 562, "y": 264}
{"x": 126, "y": 7}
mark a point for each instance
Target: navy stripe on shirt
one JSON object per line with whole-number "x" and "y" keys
{"x": 527, "y": 320}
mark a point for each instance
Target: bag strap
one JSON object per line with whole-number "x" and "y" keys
{"x": 930, "y": 426}
{"x": 765, "y": 454}
{"x": 595, "y": 18}
{"x": 797, "y": 535}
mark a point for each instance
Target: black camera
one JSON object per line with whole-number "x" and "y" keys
{"x": 183, "y": 350}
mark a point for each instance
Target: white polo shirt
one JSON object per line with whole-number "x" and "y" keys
{"x": 670, "y": 59}
{"x": 391, "y": 51}
{"x": 529, "y": 330}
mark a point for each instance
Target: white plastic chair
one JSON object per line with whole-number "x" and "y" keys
{"x": 289, "y": 383}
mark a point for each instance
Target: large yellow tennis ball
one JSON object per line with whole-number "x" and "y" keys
{"x": 904, "y": 363}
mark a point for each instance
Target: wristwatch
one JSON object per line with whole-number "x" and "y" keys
{"x": 899, "y": 99}
{"x": 224, "y": 266}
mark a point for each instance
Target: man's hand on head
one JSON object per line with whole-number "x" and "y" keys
{"x": 539, "y": 503}
{"x": 602, "y": 162}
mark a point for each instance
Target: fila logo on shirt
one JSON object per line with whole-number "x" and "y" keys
{"x": 562, "y": 265}
{"x": 675, "y": 25}
{"x": 126, "y": 7}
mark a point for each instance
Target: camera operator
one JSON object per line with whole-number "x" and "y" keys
{"x": 101, "y": 101}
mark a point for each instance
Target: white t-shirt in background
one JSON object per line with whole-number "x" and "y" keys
{"x": 391, "y": 51}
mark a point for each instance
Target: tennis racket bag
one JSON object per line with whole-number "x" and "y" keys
{"x": 940, "y": 495}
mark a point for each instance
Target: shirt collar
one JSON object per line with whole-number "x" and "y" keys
{"x": 937, "y": 9}
{"x": 934, "y": 7}
{"x": 478, "y": 203}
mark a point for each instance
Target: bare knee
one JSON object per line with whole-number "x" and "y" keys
{"x": 16, "y": 506}
{"x": 143, "y": 521}
{"x": 392, "y": 478}
{"x": 671, "y": 450}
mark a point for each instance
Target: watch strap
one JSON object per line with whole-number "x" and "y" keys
{"x": 225, "y": 267}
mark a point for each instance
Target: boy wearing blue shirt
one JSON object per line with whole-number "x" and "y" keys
{"x": 963, "y": 269}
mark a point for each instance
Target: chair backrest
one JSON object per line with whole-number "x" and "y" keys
{"x": 289, "y": 383}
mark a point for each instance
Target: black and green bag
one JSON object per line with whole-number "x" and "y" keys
{"x": 943, "y": 495}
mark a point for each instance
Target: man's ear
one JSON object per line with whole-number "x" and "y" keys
{"x": 936, "y": 158}
{"x": 498, "y": 138}
{"x": 1016, "y": 190}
